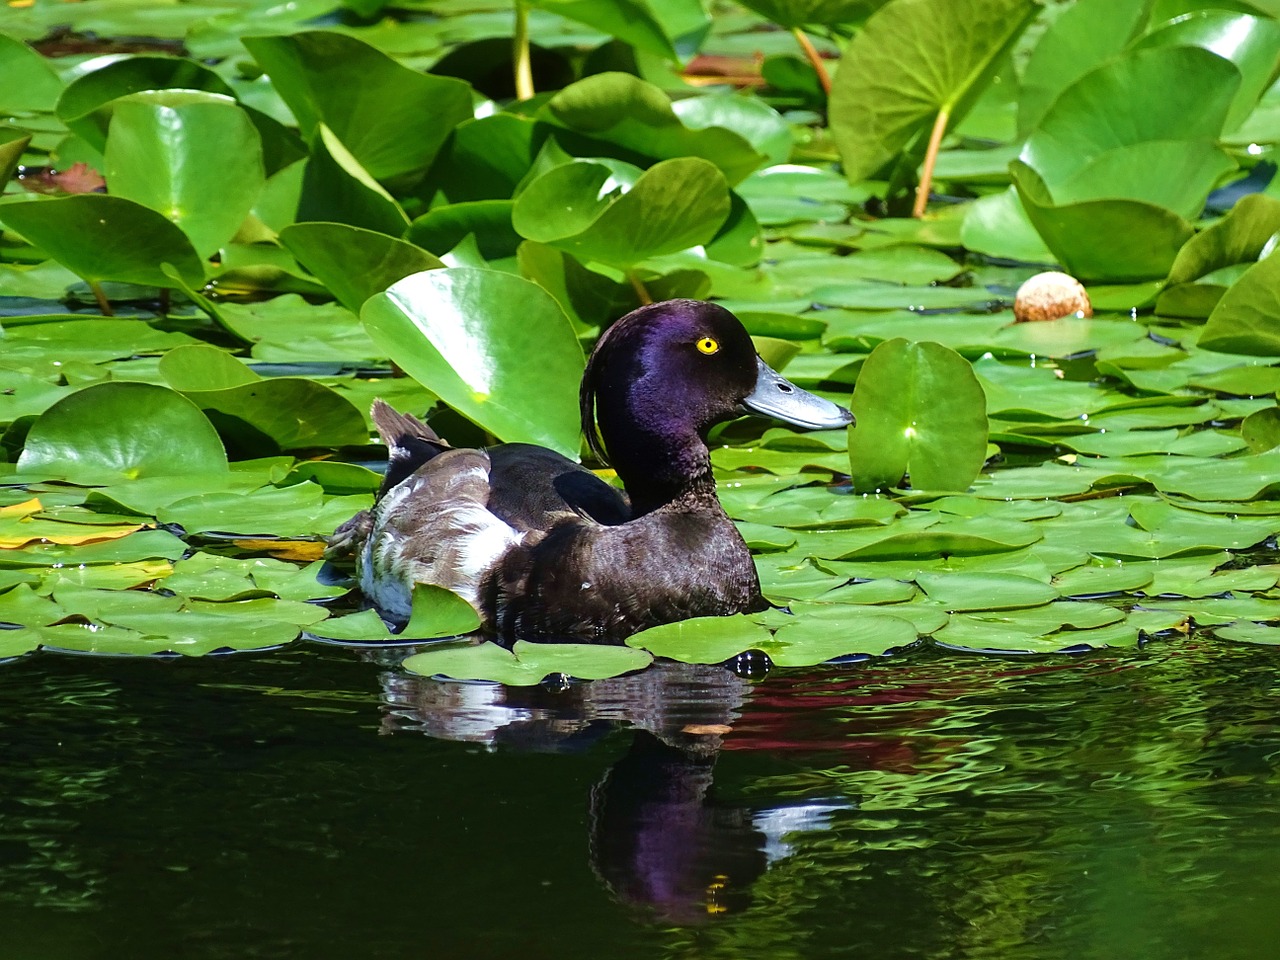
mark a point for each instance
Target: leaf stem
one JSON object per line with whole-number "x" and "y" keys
{"x": 930, "y": 157}
{"x": 638, "y": 286}
{"x": 100, "y": 295}
{"x": 523, "y": 64}
{"x": 815, "y": 58}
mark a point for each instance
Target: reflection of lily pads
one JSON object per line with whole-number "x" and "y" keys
{"x": 527, "y": 664}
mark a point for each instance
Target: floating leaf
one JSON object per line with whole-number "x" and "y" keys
{"x": 196, "y": 158}
{"x": 1247, "y": 318}
{"x": 292, "y": 412}
{"x": 1084, "y": 35}
{"x": 105, "y": 238}
{"x": 597, "y": 212}
{"x": 436, "y": 613}
{"x": 392, "y": 119}
{"x": 913, "y": 60}
{"x": 468, "y": 336}
{"x": 1261, "y": 430}
{"x": 702, "y": 639}
{"x": 28, "y": 84}
{"x": 625, "y": 110}
{"x": 86, "y": 105}
{"x": 298, "y": 510}
{"x": 985, "y": 591}
{"x": 336, "y": 188}
{"x": 527, "y": 664}
{"x": 122, "y": 430}
{"x": 921, "y": 410}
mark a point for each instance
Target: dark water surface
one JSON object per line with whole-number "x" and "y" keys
{"x": 312, "y": 803}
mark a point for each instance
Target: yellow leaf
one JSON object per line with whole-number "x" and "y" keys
{"x": 24, "y": 509}
{"x": 305, "y": 550}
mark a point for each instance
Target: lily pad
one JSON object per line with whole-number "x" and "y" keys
{"x": 920, "y": 410}
{"x": 913, "y": 60}
{"x": 196, "y": 158}
{"x": 608, "y": 214}
{"x": 469, "y": 335}
{"x": 106, "y": 238}
{"x": 122, "y": 431}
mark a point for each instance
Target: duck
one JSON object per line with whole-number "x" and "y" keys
{"x": 545, "y": 549}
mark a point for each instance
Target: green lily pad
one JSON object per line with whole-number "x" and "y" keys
{"x": 1109, "y": 240}
{"x": 122, "y": 430}
{"x": 468, "y": 336}
{"x": 337, "y": 189}
{"x": 912, "y": 60}
{"x": 87, "y": 103}
{"x": 436, "y": 613}
{"x": 1251, "y": 43}
{"x": 527, "y": 664}
{"x": 625, "y": 110}
{"x": 291, "y": 412}
{"x": 1239, "y": 237}
{"x": 920, "y": 410}
{"x": 985, "y": 591}
{"x": 599, "y": 213}
{"x": 28, "y": 82}
{"x": 208, "y": 576}
{"x": 196, "y": 158}
{"x": 392, "y": 119}
{"x": 1247, "y": 318}
{"x": 1241, "y": 631}
{"x": 300, "y": 510}
{"x": 703, "y": 639}
{"x": 106, "y": 238}
{"x": 1081, "y": 37}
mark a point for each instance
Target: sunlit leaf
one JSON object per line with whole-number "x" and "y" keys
{"x": 195, "y": 158}
{"x": 393, "y": 120}
{"x": 469, "y": 336}
{"x": 920, "y": 410}
{"x": 105, "y": 238}
{"x": 913, "y": 59}
{"x": 122, "y": 430}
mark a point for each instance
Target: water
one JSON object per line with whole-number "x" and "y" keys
{"x": 315, "y": 803}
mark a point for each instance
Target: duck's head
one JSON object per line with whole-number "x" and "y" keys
{"x": 666, "y": 373}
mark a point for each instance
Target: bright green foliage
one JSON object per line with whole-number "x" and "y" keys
{"x": 468, "y": 335}
{"x": 281, "y": 246}
{"x": 920, "y": 411}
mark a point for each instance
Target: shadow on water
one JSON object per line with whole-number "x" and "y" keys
{"x": 309, "y": 802}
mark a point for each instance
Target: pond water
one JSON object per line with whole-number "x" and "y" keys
{"x": 315, "y": 802}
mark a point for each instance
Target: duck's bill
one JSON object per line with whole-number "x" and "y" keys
{"x": 776, "y": 396}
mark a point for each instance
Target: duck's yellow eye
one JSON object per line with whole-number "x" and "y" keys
{"x": 708, "y": 346}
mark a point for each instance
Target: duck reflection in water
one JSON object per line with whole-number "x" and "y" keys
{"x": 660, "y": 840}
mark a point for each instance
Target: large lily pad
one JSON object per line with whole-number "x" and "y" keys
{"x": 106, "y": 238}
{"x": 392, "y": 119}
{"x": 122, "y": 430}
{"x": 638, "y": 116}
{"x": 914, "y": 59}
{"x": 921, "y": 411}
{"x": 616, "y": 215}
{"x": 496, "y": 348}
{"x": 527, "y": 664}
{"x": 195, "y": 158}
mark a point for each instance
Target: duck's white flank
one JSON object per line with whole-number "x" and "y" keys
{"x": 452, "y": 547}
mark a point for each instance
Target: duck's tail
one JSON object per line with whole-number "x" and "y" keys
{"x": 410, "y": 443}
